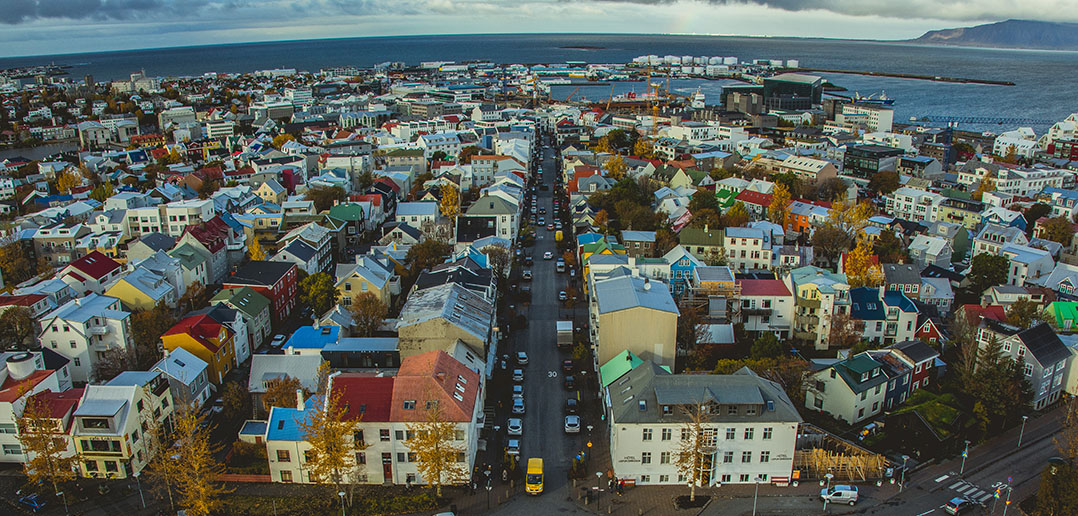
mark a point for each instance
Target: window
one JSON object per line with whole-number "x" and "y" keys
{"x": 746, "y": 456}
{"x": 401, "y": 457}
{"x": 361, "y": 458}
{"x": 12, "y": 449}
{"x": 286, "y": 476}
{"x": 818, "y": 403}
{"x": 663, "y": 479}
{"x": 411, "y": 457}
{"x": 409, "y": 404}
{"x": 664, "y": 457}
{"x": 90, "y": 465}
{"x": 731, "y": 410}
{"x": 283, "y": 456}
{"x": 399, "y": 435}
{"x": 8, "y": 428}
{"x": 1007, "y": 347}
{"x": 647, "y": 434}
{"x": 110, "y": 466}
{"x": 727, "y": 457}
{"x": 667, "y": 434}
{"x": 725, "y": 478}
{"x": 875, "y": 405}
{"x": 1028, "y": 369}
{"x": 644, "y": 479}
{"x": 78, "y": 363}
{"x": 765, "y": 456}
{"x": 749, "y": 432}
{"x": 685, "y": 434}
{"x": 383, "y": 434}
{"x": 730, "y": 433}
{"x": 860, "y": 413}
{"x": 767, "y": 433}
{"x": 645, "y": 458}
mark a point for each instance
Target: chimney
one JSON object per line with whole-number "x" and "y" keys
{"x": 705, "y": 228}
{"x": 299, "y": 399}
{"x": 440, "y": 375}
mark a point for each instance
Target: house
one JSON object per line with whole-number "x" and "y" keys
{"x": 418, "y": 214}
{"x": 267, "y": 368}
{"x": 888, "y": 316}
{"x": 319, "y": 239}
{"x": 112, "y": 422}
{"x": 634, "y": 314}
{"x": 366, "y": 275}
{"x": 33, "y": 373}
{"x": 255, "y": 309}
{"x": 233, "y": 320}
{"x": 142, "y": 289}
{"x": 767, "y": 306}
{"x": 91, "y": 273}
{"x": 1027, "y": 264}
{"x": 921, "y": 358}
{"x": 211, "y": 239}
{"x": 705, "y": 244}
{"x": 207, "y": 339}
{"x": 751, "y": 420}
{"x": 402, "y": 233}
{"x": 1044, "y": 358}
{"x": 309, "y": 340}
{"x": 904, "y": 278}
{"x": 84, "y": 329}
{"x": 505, "y": 214}
{"x": 747, "y": 248}
{"x": 819, "y": 294}
{"x": 272, "y": 192}
{"x": 274, "y": 280}
{"x": 928, "y": 250}
{"x": 188, "y": 377}
{"x": 851, "y": 390}
{"x": 437, "y": 318}
{"x": 993, "y": 237}
{"x": 194, "y": 265}
{"x": 937, "y": 292}
{"x": 147, "y": 245}
{"x": 681, "y": 264}
{"x": 301, "y": 255}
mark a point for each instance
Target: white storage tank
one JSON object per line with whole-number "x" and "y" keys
{"x": 714, "y": 61}
{"x": 671, "y": 59}
{"x": 686, "y": 70}
{"x": 793, "y": 63}
{"x": 655, "y": 60}
{"x": 729, "y": 60}
{"x": 686, "y": 60}
{"x": 698, "y": 70}
{"x": 21, "y": 365}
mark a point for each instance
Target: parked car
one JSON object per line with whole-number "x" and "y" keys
{"x": 518, "y": 405}
{"x": 522, "y": 358}
{"x": 518, "y": 375}
{"x": 959, "y": 505}
{"x": 840, "y": 494}
{"x": 33, "y": 501}
{"x": 513, "y": 447}
{"x": 562, "y": 296}
{"x": 518, "y": 391}
{"x": 515, "y": 426}
{"x": 572, "y": 424}
{"x": 278, "y": 341}
{"x": 550, "y": 227}
{"x": 567, "y": 365}
{"x": 570, "y": 382}
{"x": 526, "y": 275}
{"x": 571, "y": 406}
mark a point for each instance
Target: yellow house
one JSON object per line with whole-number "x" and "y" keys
{"x": 272, "y": 191}
{"x": 601, "y": 246}
{"x": 142, "y": 289}
{"x": 634, "y": 314}
{"x": 371, "y": 276}
{"x": 208, "y": 340}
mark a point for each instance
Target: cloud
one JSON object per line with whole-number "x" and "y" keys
{"x": 19, "y": 11}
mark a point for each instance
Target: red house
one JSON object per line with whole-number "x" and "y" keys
{"x": 922, "y": 357}
{"x": 275, "y": 280}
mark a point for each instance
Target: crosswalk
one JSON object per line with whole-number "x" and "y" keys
{"x": 970, "y": 491}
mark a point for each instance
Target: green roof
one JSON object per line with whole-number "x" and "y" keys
{"x": 1064, "y": 311}
{"x": 938, "y": 411}
{"x": 696, "y": 236}
{"x": 956, "y": 194}
{"x": 405, "y": 152}
{"x": 696, "y": 175}
{"x": 188, "y": 256}
{"x": 726, "y": 198}
{"x": 244, "y": 299}
{"x": 861, "y": 364}
{"x": 619, "y": 365}
{"x": 350, "y": 212}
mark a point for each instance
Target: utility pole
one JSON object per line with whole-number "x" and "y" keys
{"x": 1020, "y": 434}
{"x": 965, "y": 453}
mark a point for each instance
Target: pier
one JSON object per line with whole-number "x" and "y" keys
{"x": 936, "y": 78}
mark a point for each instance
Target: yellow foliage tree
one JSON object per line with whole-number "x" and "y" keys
{"x": 45, "y": 445}
{"x": 68, "y": 180}
{"x": 861, "y": 271}
{"x": 780, "y": 204}
{"x": 987, "y": 185}
{"x": 616, "y": 167}
{"x": 282, "y": 139}
{"x": 603, "y": 145}
{"x": 331, "y": 458}
{"x": 200, "y": 492}
{"x": 439, "y": 458}
{"x": 736, "y": 216}
{"x": 450, "y": 203}
{"x": 852, "y": 218}
{"x": 255, "y": 251}
{"x": 643, "y": 148}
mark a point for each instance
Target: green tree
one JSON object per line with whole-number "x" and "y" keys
{"x": 987, "y": 270}
{"x": 884, "y": 182}
{"x": 368, "y": 312}
{"x": 1024, "y": 313}
{"x": 998, "y": 388}
{"x": 790, "y": 181}
{"x": 319, "y": 292}
{"x": 706, "y": 217}
{"x": 17, "y": 328}
{"x": 101, "y": 192}
{"x": 324, "y": 197}
{"x": 427, "y": 254}
{"x": 703, "y": 200}
{"x": 1058, "y": 229}
{"x": 1033, "y": 214}
{"x": 767, "y": 346}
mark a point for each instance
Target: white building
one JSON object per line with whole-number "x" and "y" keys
{"x": 914, "y": 204}
{"x": 84, "y": 329}
{"x": 874, "y": 118}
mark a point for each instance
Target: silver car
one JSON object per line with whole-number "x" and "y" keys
{"x": 515, "y": 426}
{"x": 572, "y": 424}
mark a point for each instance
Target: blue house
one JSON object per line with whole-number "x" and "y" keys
{"x": 1003, "y": 217}
{"x": 311, "y": 340}
{"x": 898, "y": 378}
{"x": 682, "y": 265}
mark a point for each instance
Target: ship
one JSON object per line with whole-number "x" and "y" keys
{"x": 697, "y": 100}
{"x": 880, "y": 100}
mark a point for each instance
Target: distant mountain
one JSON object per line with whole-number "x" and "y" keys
{"x": 1008, "y": 34}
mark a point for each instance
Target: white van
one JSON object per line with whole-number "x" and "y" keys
{"x": 840, "y": 494}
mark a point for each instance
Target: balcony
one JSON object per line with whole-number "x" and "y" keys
{"x": 99, "y": 330}
{"x": 808, "y": 320}
{"x": 810, "y": 303}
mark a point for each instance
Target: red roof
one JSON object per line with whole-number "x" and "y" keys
{"x": 212, "y": 234}
{"x": 374, "y": 199}
{"x": 434, "y": 376}
{"x": 23, "y": 300}
{"x": 763, "y": 287}
{"x": 201, "y": 328}
{"x": 366, "y": 398}
{"x": 95, "y": 265}
{"x": 245, "y": 171}
{"x": 13, "y": 389}
{"x": 388, "y": 182}
{"x": 60, "y": 403}
{"x": 974, "y": 313}
{"x": 754, "y": 197}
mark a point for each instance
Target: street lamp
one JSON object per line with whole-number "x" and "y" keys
{"x": 64, "y": 497}
{"x": 139, "y": 484}
{"x": 598, "y": 488}
{"x": 1020, "y": 434}
{"x": 965, "y": 453}
{"x": 489, "y": 487}
{"x": 902, "y": 483}
{"x": 341, "y": 494}
{"x": 828, "y": 476}
{"x": 755, "y": 494}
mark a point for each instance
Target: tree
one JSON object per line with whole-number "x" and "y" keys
{"x": 767, "y": 346}
{"x": 890, "y": 249}
{"x": 1024, "y": 313}
{"x": 439, "y": 459}
{"x": 602, "y": 219}
{"x": 736, "y": 216}
{"x": 831, "y": 189}
{"x": 884, "y": 182}
{"x": 830, "y": 242}
{"x": 643, "y": 148}
{"x": 236, "y": 399}
{"x": 427, "y": 254}
{"x": 691, "y": 329}
{"x": 987, "y": 270}
{"x": 703, "y": 200}
{"x": 68, "y": 180}
{"x": 665, "y": 240}
{"x": 325, "y": 197}
{"x": 331, "y": 458}
{"x": 706, "y": 218}
{"x": 164, "y": 470}
{"x": 450, "y": 202}
{"x": 200, "y": 492}
{"x": 498, "y": 257}
{"x": 148, "y": 326}
{"x": 1058, "y": 229}
{"x": 368, "y": 312}
{"x": 16, "y": 263}
{"x": 438, "y": 156}
{"x": 17, "y": 328}
{"x": 780, "y": 205}
{"x": 695, "y": 446}
{"x": 603, "y": 145}
{"x": 845, "y": 330}
{"x": 207, "y": 188}
{"x": 850, "y": 217}
{"x": 45, "y": 444}
{"x": 319, "y": 292}
{"x": 790, "y": 181}
{"x": 101, "y": 192}
{"x": 281, "y": 392}
{"x": 465, "y": 154}
{"x": 281, "y": 139}
{"x": 998, "y": 388}
{"x": 1057, "y": 494}
{"x": 195, "y": 297}
{"x": 986, "y": 185}
{"x": 254, "y": 250}
{"x": 861, "y": 270}
{"x": 615, "y": 167}
{"x": 1033, "y": 214}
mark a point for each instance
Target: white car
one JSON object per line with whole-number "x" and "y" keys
{"x": 518, "y": 375}
{"x": 518, "y": 391}
{"x": 548, "y": 255}
{"x": 572, "y": 424}
{"x": 515, "y": 426}
{"x": 278, "y": 341}
{"x": 513, "y": 447}
{"x": 562, "y": 296}
{"x": 522, "y": 358}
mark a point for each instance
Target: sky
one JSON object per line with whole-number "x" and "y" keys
{"x": 43, "y": 27}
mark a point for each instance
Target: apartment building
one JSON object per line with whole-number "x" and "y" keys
{"x": 112, "y": 422}
{"x": 84, "y": 329}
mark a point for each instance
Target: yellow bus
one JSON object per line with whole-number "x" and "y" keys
{"x": 533, "y": 483}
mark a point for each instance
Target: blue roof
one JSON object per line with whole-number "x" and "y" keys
{"x": 1061, "y": 191}
{"x": 136, "y": 378}
{"x": 309, "y": 337}
{"x": 895, "y": 298}
{"x": 588, "y": 238}
{"x": 866, "y": 304}
{"x": 284, "y": 422}
{"x": 254, "y": 428}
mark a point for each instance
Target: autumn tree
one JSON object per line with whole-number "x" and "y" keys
{"x": 325, "y": 197}
{"x": 17, "y": 328}
{"x": 986, "y": 185}
{"x": 602, "y": 219}
{"x": 281, "y": 139}
{"x": 850, "y": 217}
{"x": 16, "y": 263}
{"x": 831, "y": 189}
{"x": 164, "y": 469}
{"x": 49, "y": 461}
{"x": 427, "y": 254}
{"x": 603, "y": 145}
{"x": 68, "y": 180}
{"x": 780, "y": 205}
{"x": 201, "y": 494}
{"x": 449, "y": 205}
{"x": 643, "y": 148}
{"x": 255, "y": 251}
{"x": 706, "y": 218}
{"x": 207, "y": 188}
{"x": 439, "y": 458}
{"x": 736, "y": 216}
{"x": 368, "y": 312}
{"x": 498, "y": 257}
{"x": 615, "y": 167}
{"x": 695, "y": 446}
{"x": 703, "y": 200}
{"x": 884, "y": 182}
{"x": 329, "y": 431}
{"x": 1058, "y": 229}
{"x": 319, "y": 292}
{"x": 281, "y": 392}
{"x": 845, "y": 331}
{"x": 861, "y": 270}
{"x": 148, "y": 326}
{"x": 102, "y": 192}
{"x": 829, "y": 242}
{"x": 236, "y": 399}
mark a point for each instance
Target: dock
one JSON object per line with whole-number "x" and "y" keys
{"x": 936, "y": 78}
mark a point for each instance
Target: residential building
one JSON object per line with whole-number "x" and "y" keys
{"x": 84, "y": 330}
{"x": 747, "y": 248}
{"x": 851, "y": 390}
{"x": 112, "y": 423}
{"x": 437, "y": 318}
{"x": 928, "y": 250}
{"x": 767, "y": 306}
{"x": 142, "y": 289}
{"x": 91, "y": 273}
{"x": 33, "y": 373}
{"x": 902, "y": 277}
{"x": 887, "y": 316}
{"x": 819, "y": 294}
{"x": 638, "y": 243}
{"x": 255, "y": 309}
{"x": 1044, "y": 358}
{"x": 634, "y": 314}
{"x": 188, "y": 377}
{"x": 274, "y": 280}
{"x": 992, "y": 238}
{"x": 207, "y": 339}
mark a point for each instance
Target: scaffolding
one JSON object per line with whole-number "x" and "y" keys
{"x": 820, "y": 452}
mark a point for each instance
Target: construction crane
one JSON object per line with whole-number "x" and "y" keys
{"x": 610, "y": 98}
{"x": 570, "y": 97}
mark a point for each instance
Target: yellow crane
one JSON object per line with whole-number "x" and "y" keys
{"x": 570, "y": 97}
{"x": 610, "y": 98}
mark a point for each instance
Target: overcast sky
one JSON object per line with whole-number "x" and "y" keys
{"x": 34, "y": 27}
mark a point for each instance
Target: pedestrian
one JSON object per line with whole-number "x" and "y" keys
{"x": 621, "y": 487}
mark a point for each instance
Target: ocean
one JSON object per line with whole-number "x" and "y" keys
{"x": 1045, "y": 80}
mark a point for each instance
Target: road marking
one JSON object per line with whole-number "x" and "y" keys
{"x": 976, "y": 494}
{"x": 966, "y": 489}
{"x": 985, "y": 497}
{"x": 954, "y": 485}
{"x": 928, "y": 512}
{"x": 941, "y": 479}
